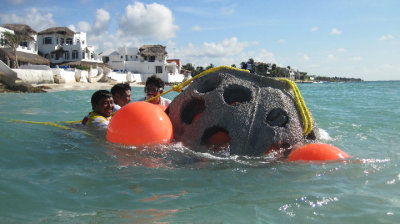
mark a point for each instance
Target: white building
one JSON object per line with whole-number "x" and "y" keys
{"x": 27, "y": 50}
{"x": 147, "y": 60}
{"x": 61, "y": 45}
{"x": 29, "y": 45}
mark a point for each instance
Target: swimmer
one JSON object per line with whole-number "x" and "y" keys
{"x": 102, "y": 105}
{"x": 155, "y": 86}
{"x": 121, "y": 93}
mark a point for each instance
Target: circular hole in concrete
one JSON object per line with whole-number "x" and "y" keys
{"x": 216, "y": 138}
{"x": 209, "y": 83}
{"x": 277, "y": 117}
{"x": 235, "y": 94}
{"x": 192, "y": 110}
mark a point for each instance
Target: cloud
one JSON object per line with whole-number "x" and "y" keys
{"x": 341, "y": 50}
{"x": 335, "y": 31}
{"x": 281, "y": 41}
{"x": 331, "y": 57}
{"x": 84, "y": 26}
{"x": 265, "y": 56}
{"x": 229, "y": 10}
{"x": 196, "y": 28}
{"x": 386, "y": 37}
{"x": 102, "y": 22}
{"x": 72, "y": 27}
{"x": 227, "y": 52}
{"x": 315, "y": 28}
{"x": 33, "y": 17}
{"x": 152, "y": 21}
{"x": 358, "y": 58}
{"x": 306, "y": 57}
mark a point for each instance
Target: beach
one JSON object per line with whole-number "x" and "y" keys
{"x": 81, "y": 86}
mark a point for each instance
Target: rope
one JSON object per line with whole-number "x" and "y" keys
{"x": 178, "y": 88}
{"x": 53, "y": 124}
{"x": 301, "y": 105}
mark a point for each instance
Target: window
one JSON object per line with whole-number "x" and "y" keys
{"x": 74, "y": 54}
{"x": 68, "y": 41}
{"x": 47, "y": 40}
{"x": 3, "y": 41}
{"x": 126, "y": 58}
{"x": 23, "y": 44}
{"x": 158, "y": 69}
{"x": 62, "y": 41}
{"x": 83, "y": 55}
{"x": 152, "y": 58}
{"x": 66, "y": 55}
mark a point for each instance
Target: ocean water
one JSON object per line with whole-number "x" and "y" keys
{"x": 52, "y": 175}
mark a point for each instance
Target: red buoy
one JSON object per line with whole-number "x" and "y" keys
{"x": 317, "y": 152}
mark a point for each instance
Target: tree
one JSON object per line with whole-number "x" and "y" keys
{"x": 210, "y": 66}
{"x": 233, "y": 65}
{"x": 13, "y": 42}
{"x": 243, "y": 65}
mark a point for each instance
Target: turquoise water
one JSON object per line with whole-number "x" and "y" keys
{"x": 52, "y": 175}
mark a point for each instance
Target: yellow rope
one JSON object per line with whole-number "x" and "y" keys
{"x": 53, "y": 124}
{"x": 178, "y": 88}
{"x": 301, "y": 105}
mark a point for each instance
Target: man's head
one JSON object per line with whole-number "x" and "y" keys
{"x": 102, "y": 103}
{"x": 121, "y": 93}
{"x": 154, "y": 86}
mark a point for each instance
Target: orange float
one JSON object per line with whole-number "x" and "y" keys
{"x": 140, "y": 123}
{"x": 317, "y": 152}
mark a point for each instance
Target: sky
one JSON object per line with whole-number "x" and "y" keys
{"x": 344, "y": 38}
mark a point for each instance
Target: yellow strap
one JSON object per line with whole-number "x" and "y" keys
{"x": 53, "y": 124}
{"x": 178, "y": 88}
{"x": 301, "y": 105}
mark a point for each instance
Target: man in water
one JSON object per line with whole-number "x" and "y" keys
{"x": 121, "y": 93}
{"x": 155, "y": 86}
{"x": 102, "y": 105}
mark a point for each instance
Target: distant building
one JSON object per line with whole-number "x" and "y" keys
{"x": 147, "y": 60}
{"x": 27, "y": 50}
{"x": 61, "y": 45}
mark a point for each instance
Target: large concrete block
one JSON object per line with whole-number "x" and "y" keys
{"x": 254, "y": 112}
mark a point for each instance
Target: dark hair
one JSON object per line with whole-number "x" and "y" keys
{"x": 100, "y": 95}
{"x": 156, "y": 81}
{"x": 120, "y": 88}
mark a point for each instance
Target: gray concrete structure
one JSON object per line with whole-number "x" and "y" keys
{"x": 257, "y": 113}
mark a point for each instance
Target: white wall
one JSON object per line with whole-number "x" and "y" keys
{"x": 35, "y": 76}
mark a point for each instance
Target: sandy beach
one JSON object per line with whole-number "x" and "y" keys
{"x": 80, "y": 86}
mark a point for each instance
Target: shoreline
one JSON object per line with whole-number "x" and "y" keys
{"x": 80, "y": 86}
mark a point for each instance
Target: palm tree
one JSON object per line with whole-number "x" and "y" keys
{"x": 13, "y": 42}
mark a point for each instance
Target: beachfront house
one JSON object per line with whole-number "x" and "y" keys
{"x": 62, "y": 45}
{"x": 145, "y": 61}
{"x": 27, "y": 49}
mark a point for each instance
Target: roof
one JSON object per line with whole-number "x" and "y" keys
{"x": 24, "y": 57}
{"x": 58, "y": 30}
{"x": 20, "y": 29}
{"x": 152, "y": 50}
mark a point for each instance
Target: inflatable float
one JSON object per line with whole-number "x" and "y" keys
{"x": 229, "y": 109}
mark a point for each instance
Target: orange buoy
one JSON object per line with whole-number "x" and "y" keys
{"x": 140, "y": 123}
{"x": 161, "y": 106}
{"x": 317, "y": 152}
